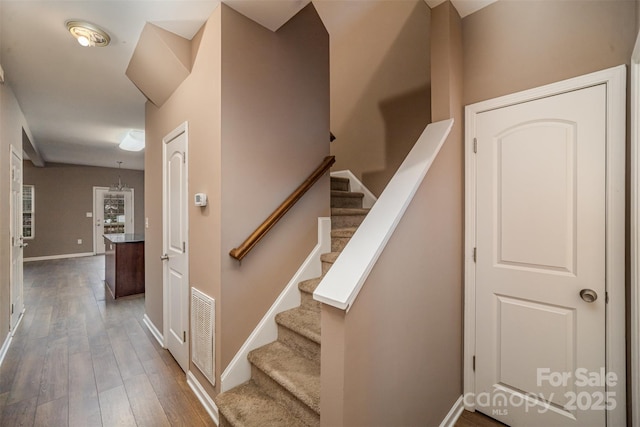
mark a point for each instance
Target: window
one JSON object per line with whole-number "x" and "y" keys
{"x": 28, "y": 209}
{"x": 114, "y": 218}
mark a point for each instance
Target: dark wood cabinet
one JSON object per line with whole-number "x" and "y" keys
{"x": 124, "y": 264}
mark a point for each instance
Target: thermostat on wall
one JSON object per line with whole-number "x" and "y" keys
{"x": 201, "y": 199}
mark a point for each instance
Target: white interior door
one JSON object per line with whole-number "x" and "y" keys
{"x": 17, "y": 240}
{"x": 540, "y": 238}
{"x": 175, "y": 238}
{"x": 113, "y": 213}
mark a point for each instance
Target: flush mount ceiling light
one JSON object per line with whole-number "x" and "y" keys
{"x": 133, "y": 141}
{"x": 88, "y": 34}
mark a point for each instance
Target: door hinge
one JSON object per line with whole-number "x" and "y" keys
{"x": 474, "y": 363}
{"x": 475, "y": 145}
{"x": 606, "y": 297}
{"x": 184, "y": 336}
{"x": 184, "y": 247}
{"x": 11, "y": 308}
{"x": 475, "y": 252}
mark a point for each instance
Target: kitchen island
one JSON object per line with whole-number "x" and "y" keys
{"x": 124, "y": 264}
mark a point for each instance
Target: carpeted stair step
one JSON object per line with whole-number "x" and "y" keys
{"x": 346, "y": 199}
{"x": 290, "y": 378}
{"x": 347, "y": 217}
{"x": 340, "y": 237}
{"x": 248, "y": 406}
{"x": 327, "y": 261}
{"x": 339, "y": 184}
{"x": 299, "y": 329}
{"x": 306, "y": 288}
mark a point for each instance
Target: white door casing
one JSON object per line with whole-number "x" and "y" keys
{"x": 566, "y": 227}
{"x": 635, "y": 234}
{"x": 17, "y": 240}
{"x": 98, "y": 215}
{"x": 175, "y": 245}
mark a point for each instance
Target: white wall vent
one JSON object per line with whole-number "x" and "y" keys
{"x": 203, "y": 333}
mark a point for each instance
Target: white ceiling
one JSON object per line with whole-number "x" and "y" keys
{"x": 77, "y": 101}
{"x": 464, "y": 7}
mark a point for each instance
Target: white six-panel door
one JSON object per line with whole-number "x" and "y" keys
{"x": 17, "y": 240}
{"x": 175, "y": 223}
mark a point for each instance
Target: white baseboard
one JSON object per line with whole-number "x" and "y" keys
{"x": 239, "y": 369}
{"x": 454, "y": 414}
{"x": 154, "y": 331}
{"x": 63, "y": 256}
{"x": 357, "y": 186}
{"x": 203, "y": 397}
{"x": 5, "y": 347}
{"x": 13, "y": 331}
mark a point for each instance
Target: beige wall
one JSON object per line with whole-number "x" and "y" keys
{"x": 511, "y": 46}
{"x": 273, "y": 91}
{"x": 12, "y": 121}
{"x": 379, "y": 83}
{"x": 196, "y": 101}
{"x": 275, "y": 105}
{"x": 396, "y": 356}
{"x": 63, "y": 196}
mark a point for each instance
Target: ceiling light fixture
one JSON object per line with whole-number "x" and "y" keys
{"x": 133, "y": 141}
{"x": 87, "y": 34}
{"x": 119, "y": 186}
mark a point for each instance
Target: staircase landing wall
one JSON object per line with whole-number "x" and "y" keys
{"x": 275, "y": 132}
{"x": 396, "y": 355}
{"x": 395, "y": 358}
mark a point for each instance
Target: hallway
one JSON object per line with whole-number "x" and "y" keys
{"x": 79, "y": 358}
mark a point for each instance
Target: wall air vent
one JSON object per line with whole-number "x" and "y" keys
{"x": 203, "y": 333}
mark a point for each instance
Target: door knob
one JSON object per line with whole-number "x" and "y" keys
{"x": 588, "y": 295}
{"x": 164, "y": 257}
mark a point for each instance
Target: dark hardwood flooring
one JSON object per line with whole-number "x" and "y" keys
{"x": 476, "y": 419}
{"x": 79, "y": 358}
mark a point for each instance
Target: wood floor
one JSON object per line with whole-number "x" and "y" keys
{"x": 476, "y": 419}
{"x": 79, "y": 358}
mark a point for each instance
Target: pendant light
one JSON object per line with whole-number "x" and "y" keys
{"x": 119, "y": 186}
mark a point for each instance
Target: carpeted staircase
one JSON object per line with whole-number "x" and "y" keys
{"x": 284, "y": 389}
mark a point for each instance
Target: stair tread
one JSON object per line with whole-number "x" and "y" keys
{"x": 247, "y": 406}
{"x": 299, "y": 375}
{"x": 353, "y": 194}
{"x": 343, "y": 232}
{"x": 329, "y": 257}
{"x": 339, "y": 179}
{"x": 301, "y": 321}
{"x": 349, "y": 211}
{"x": 310, "y": 285}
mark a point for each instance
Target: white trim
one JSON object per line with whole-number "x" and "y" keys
{"x": 61, "y": 256}
{"x": 635, "y": 235}
{"x": 154, "y": 331}
{"x": 615, "y": 80}
{"x": 203, "y": 397}
{"x": 5, "y": 347}
{"x": 343, "y": 282}
{"x": 13, "y": 331}
{"x": 93, "y": 218}
{"x": 239, "y": 370}
{"x": 454, "y": 414}
{"x": 357, "y": 186}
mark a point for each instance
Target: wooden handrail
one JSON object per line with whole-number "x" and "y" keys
{"x": 242, "y": 250}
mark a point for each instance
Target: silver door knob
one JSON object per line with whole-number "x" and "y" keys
{"x": 588, "y": 295}
{"x": 164, "y": 257}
